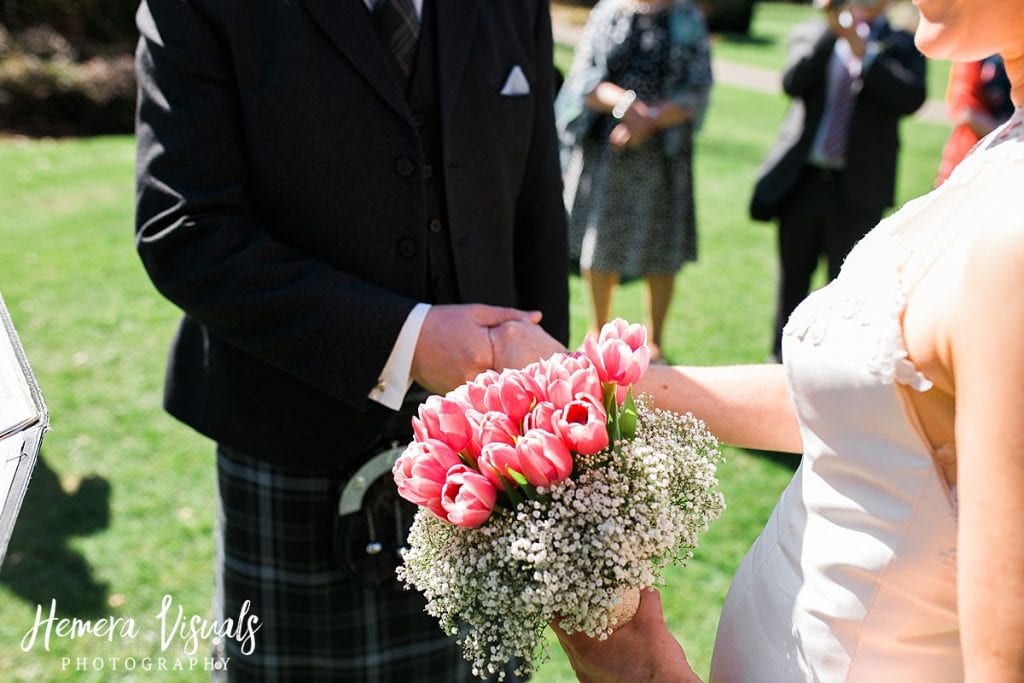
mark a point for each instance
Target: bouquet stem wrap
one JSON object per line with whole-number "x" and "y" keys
{"x": 625, "y": 609}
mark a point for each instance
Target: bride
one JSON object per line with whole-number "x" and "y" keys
{"x": 895, "y": 553}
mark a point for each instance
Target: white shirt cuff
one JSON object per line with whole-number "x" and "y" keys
{"x": 396, "y": 377}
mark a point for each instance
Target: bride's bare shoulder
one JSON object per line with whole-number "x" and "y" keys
{"x": 996, "y": 253}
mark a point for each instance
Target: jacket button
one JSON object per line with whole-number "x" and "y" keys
{"x": 434, "y": 226}
{"x": 405, "y": 166}
{"x": 440, "y": 283}
{"x": 427, "y": 170}
{"x": 419, "y": 119}
{"x": 406, "y": 248}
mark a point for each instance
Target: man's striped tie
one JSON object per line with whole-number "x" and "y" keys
{"x": 841, "y": 112}
{"x": 399, "y": 27}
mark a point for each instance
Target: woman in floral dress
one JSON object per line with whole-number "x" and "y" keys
{"x": 637, "y": 91}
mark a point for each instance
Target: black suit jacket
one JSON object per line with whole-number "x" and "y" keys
{"x": 280, "y": 203}
{"x": 893, "y": 86}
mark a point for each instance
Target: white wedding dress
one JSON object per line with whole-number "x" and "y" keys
{"x": 854, "y": 575}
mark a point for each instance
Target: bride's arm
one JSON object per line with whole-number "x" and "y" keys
{"x": 642, "y": 650}
{"x": 988, "y": 364}
{"x": 743, "y": 405}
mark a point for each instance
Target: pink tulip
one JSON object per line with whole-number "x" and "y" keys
{"x": 541, "y": 417}
{"x": 421, "y": 471}
{"x": 443, "y": 419}
{"x": 467, "y": 497}
{"x": 634, "y": 335}
{"x": 487, "y": 377}
{"x": 495, "y": 462}
{"x": 620, "y": 353}
{"x": 476, "y": 390}
{"x": 487, "y": 398}
{"x": 512, "y": 393}
{"x": 487, "y": 428}
{"x": 539, "y": 371}
{"x": 497, "y": 427}
{"x": 472, "y": 449}
{"x": 576, "y": 361}
{"x": 576, "y": 378}
{"x": 533, "y": 368}
{"x": 543, "y": 457}
{"x": 582, "y": 425}
{"x": 517, "y": 393}
{"x": 559, "y": 378}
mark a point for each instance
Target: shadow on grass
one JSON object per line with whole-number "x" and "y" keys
{"x": 788, "y": 460}
{"x": 40, "y": 565}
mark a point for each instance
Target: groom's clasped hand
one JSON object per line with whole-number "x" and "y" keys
{"x": 457, "y": 342}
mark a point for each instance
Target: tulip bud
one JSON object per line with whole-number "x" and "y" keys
{"x": 467, "y": 497}
{"x": 496, "y": 462}
{"x": 543, "y": 457}
{"x": 421, "y": 471}
{"x": 443, "y": 419}
{"x": 582, "y": 425}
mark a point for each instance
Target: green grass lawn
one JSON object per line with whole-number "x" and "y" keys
{"x": 766, "y": 44}
{"x": 120, "y": 511}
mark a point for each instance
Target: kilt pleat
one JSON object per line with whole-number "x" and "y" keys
{"x": 318, "y": 620}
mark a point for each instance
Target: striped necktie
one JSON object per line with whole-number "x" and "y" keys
{"x": 399, "y": 28}
{"x": 839, "y": 114}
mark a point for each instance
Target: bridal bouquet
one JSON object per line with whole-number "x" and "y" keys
{"x": 551, "y": 494}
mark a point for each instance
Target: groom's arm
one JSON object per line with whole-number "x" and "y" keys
{"x": 211, "y": 248}
{"x": 206, "y": 245}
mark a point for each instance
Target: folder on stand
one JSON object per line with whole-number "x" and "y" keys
{"x": 23, "y": 420}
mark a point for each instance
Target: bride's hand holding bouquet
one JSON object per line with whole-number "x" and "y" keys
{"x": 551, "y": 494}
{"x": 642, "y": 650}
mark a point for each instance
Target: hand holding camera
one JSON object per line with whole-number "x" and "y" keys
{"x": 850, "y": 19}
{"x": 838, "y": 13}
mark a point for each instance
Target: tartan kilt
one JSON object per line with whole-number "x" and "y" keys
{"x": 323, "y": 617}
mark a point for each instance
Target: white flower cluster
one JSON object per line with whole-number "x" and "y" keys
{"x": 623, "y": 516}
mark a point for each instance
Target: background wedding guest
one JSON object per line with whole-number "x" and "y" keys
{"x": 331, "y": 192}
{"x": 832, "y": 171}
{"x": 637, "y": 91}
{"x": 977, "y": 100}
{"x": 894, "y": 554}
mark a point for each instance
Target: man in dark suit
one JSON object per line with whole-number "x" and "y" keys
{"x": 343, "y": 196}
{"x": 832, "y": 171}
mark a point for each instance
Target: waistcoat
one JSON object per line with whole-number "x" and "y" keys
{"x": 424, "y": 100}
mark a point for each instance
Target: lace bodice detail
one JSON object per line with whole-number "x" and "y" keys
{"x": 868, "y": 292}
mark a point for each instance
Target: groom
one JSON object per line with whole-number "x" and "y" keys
{"x": 344, "y": 198}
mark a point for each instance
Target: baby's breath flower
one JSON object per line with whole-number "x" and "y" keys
{"x": 625, "y": 514}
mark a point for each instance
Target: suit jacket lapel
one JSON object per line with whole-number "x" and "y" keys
{"x": 456, "y": 22}
{"x": 347, "y": 23}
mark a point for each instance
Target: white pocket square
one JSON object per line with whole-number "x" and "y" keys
{"x": 516, "y": 83}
